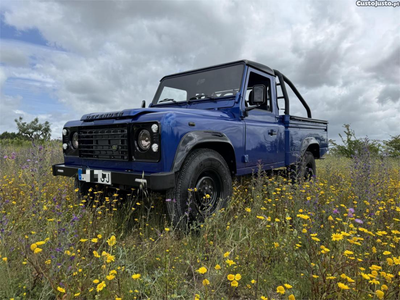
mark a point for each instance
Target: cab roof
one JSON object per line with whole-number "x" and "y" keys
{"x": 247, "y": 62}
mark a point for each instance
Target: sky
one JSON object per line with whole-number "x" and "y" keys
{"x": 62, "y": 59}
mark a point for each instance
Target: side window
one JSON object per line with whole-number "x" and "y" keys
{"x": 255, "y": 79}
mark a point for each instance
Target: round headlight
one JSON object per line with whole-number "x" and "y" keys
{"x": 65, "y": 146}
{"x": 75, "y": 142}
{"x": 144, "y": 140}
{"x": 64, "y": 131}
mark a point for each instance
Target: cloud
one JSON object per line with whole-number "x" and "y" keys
{"x": 109, "y": 56}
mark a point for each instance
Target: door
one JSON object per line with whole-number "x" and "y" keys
{"x": 264, "y": 136}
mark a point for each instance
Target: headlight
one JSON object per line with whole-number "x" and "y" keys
{"x": 64, "y": 131}
{"x": 75, "y": 142}
{"x": 144, "y": 140}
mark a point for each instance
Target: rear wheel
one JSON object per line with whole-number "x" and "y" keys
{"x": 305, "y": 169}
{"x": 203, "y": 186}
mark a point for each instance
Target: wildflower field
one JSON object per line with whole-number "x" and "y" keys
{"x": 336, "y": 237}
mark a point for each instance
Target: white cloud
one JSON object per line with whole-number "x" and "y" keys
{"x": 109, "y": 55}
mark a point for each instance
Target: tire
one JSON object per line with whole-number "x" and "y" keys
{"x": 204, "y": 172}
{"x": 305, "y": 169}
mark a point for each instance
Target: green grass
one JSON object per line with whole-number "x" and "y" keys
{"x": 272, "y": 234}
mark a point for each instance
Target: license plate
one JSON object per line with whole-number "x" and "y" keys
{"x": 95, "y": 176}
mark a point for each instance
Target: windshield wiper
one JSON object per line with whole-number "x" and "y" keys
{"x": 167, "y": 100}
{"x": 202, "y": 97}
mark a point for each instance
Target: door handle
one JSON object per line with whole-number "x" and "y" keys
{"x": 272, "y": 132}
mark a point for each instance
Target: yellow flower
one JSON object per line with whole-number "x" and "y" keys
{"x": 304, "y": 217}
{"x": 260, "y": 217}
{"x": 166, "y": 229}
{"x": 83, "y": 240}
{"x": 96, "y": 254}
{"x": 94, "y": 240}
{"x": 264, "y": 298}
{"x": 60, "y": 289}
{"x": 110, "y": 277}
{"x": 206, "y": 282}
{"x": 226, "y": 254}
{"x": 248, "y": 209}
{"x": 113, "y": 272}
{"x": 384, "y": 287}
{"x": 110, "y": 258}
{"x": 291, "y": 297}
{"x": 288, "y": 286}
{"x": 280, "y": 289}
{"x": 202, "y": 270}
{"x": 118, "y": 298}
{"x": 343, "y": 286}
{"x": 253, "y": 281}
{"x": 217, "y": 267}
{"x": 387, "y": 253}
{"x": 234, "y": 283}
{"x": 238, "y": 277}
{"x": 77, "y": 294}
{"x": 96, "y": 281}
{"x": 230, "y": 262}
{"x": 337, "y": 237}
{"x": 136, "y": 276}
{"x": 100, "y": 286}
{"x": 47, "y": 262}
{"x": 4, "y": 259}
{"x": 33, "y": 247}
{"x": 379, "y": 294}
{"x": 347, "y": 252}
{"x": 230, "y": 277}
{"x": 37, "y": 250}
{"x": 112, "y": 241}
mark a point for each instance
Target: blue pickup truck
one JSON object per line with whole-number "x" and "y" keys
{"x": 203, "y": 128}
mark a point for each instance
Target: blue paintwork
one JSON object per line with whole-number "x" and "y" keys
{"x": 248, "y": 134}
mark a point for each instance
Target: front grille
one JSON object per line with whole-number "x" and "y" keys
{"x": 104, "y": 142}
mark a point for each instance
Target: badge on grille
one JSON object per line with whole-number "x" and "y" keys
{"x": 115, "y": 147}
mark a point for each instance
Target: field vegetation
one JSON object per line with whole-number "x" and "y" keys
{"x": 336, "y": 237}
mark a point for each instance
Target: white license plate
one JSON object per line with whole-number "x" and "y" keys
{"x": 97, "y": 176}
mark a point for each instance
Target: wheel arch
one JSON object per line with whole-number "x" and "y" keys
{"x": 214, "y": 140}
{"x": 311, "y": 144}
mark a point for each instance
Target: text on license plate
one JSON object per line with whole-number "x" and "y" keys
{"x": 96, "y": 176}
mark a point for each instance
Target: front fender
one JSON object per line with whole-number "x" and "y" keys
{"x": 194, "y": 138}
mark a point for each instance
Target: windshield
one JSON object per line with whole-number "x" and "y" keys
{"x": 210, "y": 84}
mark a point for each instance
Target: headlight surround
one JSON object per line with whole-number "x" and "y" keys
{"x": 144, "y": 140}
{"x": 74, "y": 141}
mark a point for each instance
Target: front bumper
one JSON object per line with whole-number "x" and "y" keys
{"x": 156, "y": 182}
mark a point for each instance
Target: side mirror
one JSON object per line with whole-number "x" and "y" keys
{"x": 144, "y": 104}
{"x": 257, "y": 96}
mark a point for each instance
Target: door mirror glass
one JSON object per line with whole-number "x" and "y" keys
{"x": 257, "y": 96}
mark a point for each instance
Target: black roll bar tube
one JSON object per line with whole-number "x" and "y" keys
{"x": 282, "y": 80}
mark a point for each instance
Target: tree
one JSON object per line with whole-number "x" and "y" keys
{"x": 392, "y": 146}
{"x": 10, "y": 136}
{"x": 354, "y": 146}
{"x": 34, "y": 130}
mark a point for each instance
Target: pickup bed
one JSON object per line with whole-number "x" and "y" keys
{"x": 202, "y": 128}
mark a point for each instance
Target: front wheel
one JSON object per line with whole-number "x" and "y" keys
{"x": 203, "y": 186}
